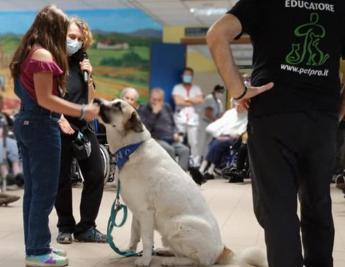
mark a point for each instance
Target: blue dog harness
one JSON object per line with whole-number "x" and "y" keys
{"x": 122, "y": 155}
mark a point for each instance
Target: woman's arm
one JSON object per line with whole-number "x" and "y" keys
{"x": 43, "y": 83}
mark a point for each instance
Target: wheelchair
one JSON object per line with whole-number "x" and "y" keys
{"x": 107, "y": 158}
{"x": 236, "y": 166}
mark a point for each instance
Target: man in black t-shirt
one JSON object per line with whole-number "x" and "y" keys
{"x": 293, "y": 113}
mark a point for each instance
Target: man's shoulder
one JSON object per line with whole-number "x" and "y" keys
{"x": 178, "y": 88}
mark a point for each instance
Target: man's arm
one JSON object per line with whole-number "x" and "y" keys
{"x": 342, "y": 104}
{"x": 219, "y": 37}
{"x": 181, "y": 101}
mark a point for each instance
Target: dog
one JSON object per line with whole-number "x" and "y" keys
{"x": 163, "y": 197}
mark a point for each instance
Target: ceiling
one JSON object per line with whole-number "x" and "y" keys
{"x": 198, "y": 13}
{"x": 178, "y": 12}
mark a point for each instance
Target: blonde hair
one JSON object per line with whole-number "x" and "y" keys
{"x": 85, "y": 29}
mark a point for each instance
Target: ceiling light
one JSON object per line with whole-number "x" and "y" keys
{"x": 208, "y": 11}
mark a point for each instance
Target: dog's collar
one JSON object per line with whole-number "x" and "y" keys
{"x": 122, "y": 155}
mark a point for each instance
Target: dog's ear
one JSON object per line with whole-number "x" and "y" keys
{"x": 98, "y": 101}
{"x": 134, "y": 123}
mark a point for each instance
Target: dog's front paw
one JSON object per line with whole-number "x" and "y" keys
{"x": 143, "y": 261}
{"x": 132, "y": 247}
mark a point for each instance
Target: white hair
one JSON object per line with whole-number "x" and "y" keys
{"x": 127, "y": 90}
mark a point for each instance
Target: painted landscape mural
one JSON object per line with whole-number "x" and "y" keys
{"x": 120, "y": 54}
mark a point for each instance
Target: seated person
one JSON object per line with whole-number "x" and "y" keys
{"x": 225, "y": 131}
{"x": 158, "y": 118}
{"x": 131, "y": 96}
{"x": 10, "y": 166}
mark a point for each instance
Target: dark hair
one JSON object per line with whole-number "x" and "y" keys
{"x": 219, "y": 88}
{"x": 49, "y": 30}
{"x": 188, "y": 69}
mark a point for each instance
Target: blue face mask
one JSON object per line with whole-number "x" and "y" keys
{"x": 72, "y": 46}
{"x": 187, "y": 79}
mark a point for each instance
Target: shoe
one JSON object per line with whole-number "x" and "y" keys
{"x": 50, "y": 259}
{"x": 64, "y": 238}
{"x": 91, "y": 235}
{"x": 236, "y": 179}
{"x": 59, "y": 252}
{"x": 340, "y": 181}
{"x": 208, "y": 176}
{"x": 197, "y": 175}
{"x": 6, "y": 199}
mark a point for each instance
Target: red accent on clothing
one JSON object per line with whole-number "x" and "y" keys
{"x": 31, "y": 66}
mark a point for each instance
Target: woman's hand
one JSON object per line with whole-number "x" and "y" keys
{"x": 90, "y": 112}
{"x": 86, "y": 65}
{"x": 65, "y": 127}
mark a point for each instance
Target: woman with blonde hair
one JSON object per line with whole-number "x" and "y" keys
{"x": 80, "y": 89}
{"x": 39, "y": 69}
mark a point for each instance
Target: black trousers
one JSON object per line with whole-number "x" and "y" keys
{"x": 92, "y": 170}
{"x": 294, "y": 155}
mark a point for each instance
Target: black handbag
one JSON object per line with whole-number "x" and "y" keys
{"x": 81, "y": 146}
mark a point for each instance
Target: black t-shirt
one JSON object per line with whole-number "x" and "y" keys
{"x": 297, "y": 45}
{"x": 77, "y": 88}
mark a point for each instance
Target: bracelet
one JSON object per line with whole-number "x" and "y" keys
{"x": 243, "y": 94}
{"x": 82, "y": 112}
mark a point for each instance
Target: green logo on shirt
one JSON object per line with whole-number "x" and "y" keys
{"x": 307, "y": 50}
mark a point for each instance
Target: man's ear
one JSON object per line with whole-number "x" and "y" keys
{"x": 134, "y": 123}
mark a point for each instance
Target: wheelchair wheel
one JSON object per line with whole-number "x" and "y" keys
{"x": 106, "y": 162}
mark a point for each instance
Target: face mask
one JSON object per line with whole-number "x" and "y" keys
{"x": 73, "y": 46}
{"x": 187, "y": 78}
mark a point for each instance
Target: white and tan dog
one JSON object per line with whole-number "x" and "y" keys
{"x": 163, "y": 197}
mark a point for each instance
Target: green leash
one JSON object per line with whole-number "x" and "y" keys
{"x": 115, "y": 208}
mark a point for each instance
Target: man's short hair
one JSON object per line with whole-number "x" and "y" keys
{"x": 188, "y": 69}
{"x": 157, "y": 90}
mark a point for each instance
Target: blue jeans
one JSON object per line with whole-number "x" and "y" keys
{"x": 39, "y": 142}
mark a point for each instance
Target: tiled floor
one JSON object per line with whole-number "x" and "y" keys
{"x": 231, "y": 204}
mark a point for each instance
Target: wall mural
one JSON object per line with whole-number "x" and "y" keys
{"x": 120, "y": 54}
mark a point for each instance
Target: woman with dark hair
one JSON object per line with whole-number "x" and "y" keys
{"x": 39, "y": 69}
{"x": 80, "y": 90}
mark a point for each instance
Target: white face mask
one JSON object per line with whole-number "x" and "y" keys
{"x": 188, "y": 79}
{"x": 73, "y": 46}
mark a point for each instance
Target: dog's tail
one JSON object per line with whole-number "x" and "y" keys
{"x": 251, "y": 256}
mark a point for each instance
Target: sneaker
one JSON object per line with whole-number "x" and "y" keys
{"x": 6, "y": 199}
{"x": 64, "y": 238}
{"x": 59, "y": 252}
{"x": 91, "y": 235}
{"x": 50, "y": 259}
